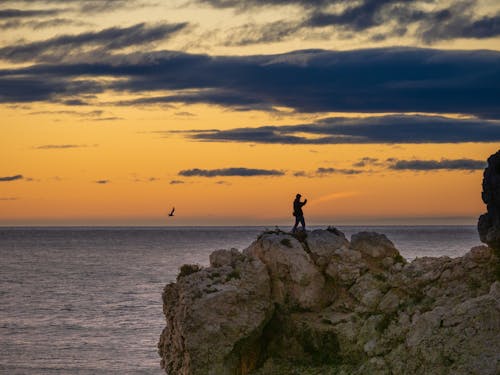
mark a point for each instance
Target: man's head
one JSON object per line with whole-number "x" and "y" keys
{"x": 298, "y": 196}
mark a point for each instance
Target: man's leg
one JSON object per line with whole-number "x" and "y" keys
{"x": 296, "y": 223}
{"x": 303, "y": 222}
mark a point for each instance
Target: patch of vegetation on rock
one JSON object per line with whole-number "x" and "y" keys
{"x": 234, "y": 274}
{"x": 398, "y": 258}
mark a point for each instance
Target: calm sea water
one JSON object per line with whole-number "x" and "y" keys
{"x": 88, "y": 300}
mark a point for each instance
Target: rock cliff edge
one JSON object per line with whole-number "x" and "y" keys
{"x": 326, "y": 305}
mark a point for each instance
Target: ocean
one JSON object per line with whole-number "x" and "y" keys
{"x": 88, "y": 300}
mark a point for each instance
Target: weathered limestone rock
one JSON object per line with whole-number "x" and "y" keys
{"x": 323, "y": 305}
{"x": 368, "y": 290}
{"x": 323, "y": 244}
{"x": 464, "y": 337}
{"x": 489, "y": 223}
{"x": 215, "y": 317}
{"x": 295, "y": 280}
{"x": 373, "y": 244}
{"x": 221, "y": 258}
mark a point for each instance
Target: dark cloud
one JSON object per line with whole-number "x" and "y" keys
{"x": 457, "y": 19}
{"x": 380, "y": 129}
{"x": 111, "y": 118}
{"x": 35, "y": 88}
{"x": 367, "y": 161}
{"x": 102, "y": 182}
{"x": 361, "y": 16}
{"x": 35, "y": 18}
{"x": 431, "y": 165}
{"x": 265, "y": 3}
{"x": 325, "y": 171}
{"x": 59, "y": 147}
{"x": 114, "y": 38}
{"x": 375, "y": 80}
{"x": 176, "y": 182}
{"x": 18, "y": 13}
{"x": 254, "y": 33}
{"x": 86, "y": 114}
{"x": 75, "y": 102}
{"x": 185, "y": 114}
{"x": 40, "y": 24}
{"x": 370, "y": 80}
{"x": 87, "y": 7}
{"x": 8, "y": 198}
{"x": 230, "y": 172}
{"x": 55, "y": 22}
{"x": 102, "y": 6}
{"x": 11, "y": 178}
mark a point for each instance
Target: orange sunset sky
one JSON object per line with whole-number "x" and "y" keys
{"x": 112, "y": 112}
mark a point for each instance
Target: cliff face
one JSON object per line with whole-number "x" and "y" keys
{"x": 489, "y": 223}
{"x": 332, "y": 306}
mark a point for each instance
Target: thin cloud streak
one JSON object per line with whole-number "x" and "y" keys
{"x": 369, "y": 130}
{"x": 327, "y": 171}
{"x": 230, "y": 172}
{"x": 11, "y": 178}
{"x": 443, "y": 164}
{"x": 106, "y": 40}
{"x": 90, "y": 7}
{"x": 61, "y": 147}
{"x": 19, "y": 13}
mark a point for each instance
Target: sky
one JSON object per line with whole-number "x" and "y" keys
{"x": 377, "y": 111}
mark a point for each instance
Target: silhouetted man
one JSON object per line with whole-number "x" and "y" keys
{"x": 297, "y": 212}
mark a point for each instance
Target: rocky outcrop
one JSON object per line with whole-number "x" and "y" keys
{"x": 321, "y": 304}
{"x": 215, "y": 317}
{"x": 489, "y": 223}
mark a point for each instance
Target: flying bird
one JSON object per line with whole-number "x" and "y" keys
{"x": 172, "y": 212}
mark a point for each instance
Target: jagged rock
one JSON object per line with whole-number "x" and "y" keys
{"x": 295, "y": 280}
{"x": 344, "y": 274}
{"x": 220, "y": 258}
{"x": 373, "y": 244}
{"x": 323, "y": 305}
{"x": 464, "y": 337}
{"x": 489, "y": 223}
{"x": 323, "y": 244}
{"x": 368, "y": 290}
{"x": 390, "y": 302}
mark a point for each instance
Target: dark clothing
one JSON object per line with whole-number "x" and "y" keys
{"x": 299, "y": 215}
{"x": 299, "y": 219}
{"x": 297, "y": 207}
